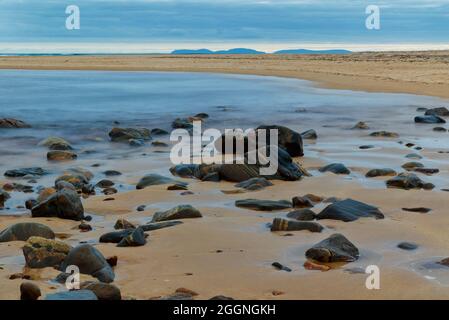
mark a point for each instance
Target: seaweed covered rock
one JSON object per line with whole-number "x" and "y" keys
{"x": 41, "y": 253}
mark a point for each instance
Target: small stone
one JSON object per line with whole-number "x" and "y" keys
{"x": 103, "y": 291}
{"x": 384, "y": 172}
{"x": 309, "y": 134}
{"x": 413, "y": 156}
{"x": 441, "y": 111}
{"x": 366, "y": 147}
{"x": 186, "y": 291}
{"x": 419, "y": 210}
{"x": 263, "y": 205}
{"x": 112, "y": 261}
{"x": 141, "y": 207}
{"x": 159, "y": 144}
{"x": 439, "y": 129}
{"x": 337, "y": 168}
{"x": 177, "y": 187}
{"x": 407, "y": 246}
{"x": 336, "y": 248}
{"x": 429, "y": 119}
{"x": 105, "y": 183}
{"x": 410, "y": 166}
{"x": 109, "y": 191}
{"x": 135, "y": 239}
{"x": 281, "y": 267}
{"x": 84, "y": 227}
{"x": 123, "y": 224}
{"x": 10, "y": 123}
{"x": 112, "y": 173}
{"x": 361, "y": 125}
{"x": 29, "y": 291}
{"x": 280, "y": 224}
{"x": 277, "y": 293}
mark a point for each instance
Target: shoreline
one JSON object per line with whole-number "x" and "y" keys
{"x": 421, "y": 73}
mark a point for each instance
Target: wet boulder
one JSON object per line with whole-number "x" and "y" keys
{"x": 18, "y": 173}
{"x": 89, "y": 261}
{"x": 41, "y": 253}
{"x": 281, "y": 224}
{"x": 302, "y": 215}
{"x": 336, "y": 248}
{"x": 22, "y": 231}
{"x": 154, "y": 179}
{"x": 349, "y": 210}
{"x": 337, "y": 168}
{"x": 134, "y": 239}
{"x": 103, "y": 291}
{"x": 178, "y": 212}
{"x": 288, "y": 139}
{"x": 380, "y": 173}
{"x": 407, "y": 181}
{"x": 263, "y": 205}
{"x": 254, "y": 184}
{"x": 441, "y": 112}
{"x": 429, "y": 119}
{"x": 10, "y": 123}
{"x": 126, "y": 134}
{"x": 65, "y": 204}
{"x": 115, "y": 236}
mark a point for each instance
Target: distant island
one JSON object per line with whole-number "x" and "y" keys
{"x": 252, "y": 51}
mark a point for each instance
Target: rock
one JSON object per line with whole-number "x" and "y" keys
{"x": 308, "y": 265}
{"x": 178, "y": 212}
{"x": 280, "y": 224}
{"x": 153, "y": 179}
{"x": 427, "y": 171}
{"x": 159, "y": 144}
{"x": 176, "y": 296}
{"x": 19, "y": 275}
{"x": 29, "y": 204}
{"x": 116, "y": 236}
{"x": 366, "y": 147}
{"x": 419, "y": 210}
{"x": 281, "y": 267}
{"x": 263, "y": 205}
{"x": 109, "y": 191}
{"x": 201, "y": 115}
{"x": 134, "y": 239}
{"x": 309, "y": 134}
{"x": 336, "y": 248}
{"x": 126, "y": 134}
{"x": 410, "y": 166}
{"x": 182, "y": 123}
{"x": 56, "y": 143}
{"x": 10, "y": 123}
{"x": 289, "y": 140}
{"x": 72, "y": 295}
{"x": 110, "y": 173}
{"x": 158, "y": 132}
{"x": 46, "y": 193}
{"x": 413, "y": 156}
{"x": 177, "y": 186}
{"x": 408, "y": 181}
{"x": 421, "y": 109}
{"x": 77, "y": 180}
{"x": 84, "y": 227}
{"x": 337, "y": 168}
{"x": 64, "y": 204}
{"x": 105, "y": 183}
{"x": 221, "y": 297}
{"x": 159, "y": 225}
{"x": 444, "y": 262}
{"x": 141, "y": 207}
{"x": 62, "y": 185}
{"x": 17, "y": 173}
{"x": 384, "y": 134}
{"x": 103, "y": 291}
{"x": 302, "y": 215}
{"x": 3, "y": 197}
{"x": 439, "y": 129}
{"x": 384, "y": 172}
{"x": 136, "y": 142}
{"x": 112, "y": 261}
{"x": 123, "y": 224}
{"x": 349, "y": 210}
{"x": 442, "y": 112}
{"x": 89, "y": 261}
{"x": 429, "y": 119}
{"x": 58, "y": 155}
{"x": 186, "y": 291}
{"x": 41, "y": 253}
{"x": 407, "y": 246}
{"x": 302, "y": 202}
{"x": 29, "y": 291}
{"x": 361, "y": 125}
{"x": 254, "y": 184}
{"x": 22, "y": 231}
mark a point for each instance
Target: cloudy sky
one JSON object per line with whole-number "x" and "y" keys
{"x": 233, "y": 22}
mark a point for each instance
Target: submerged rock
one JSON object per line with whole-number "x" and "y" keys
{"x": 10, "y": 123}
{"x": 336, "y": 248}
{"x": 439, "y": 129}
{"x": 407, "y": 181}
{"x": 361, "y": 125}
{"x": 429, "y": 119}
{"x": 22, "y": 231}
{"x": 337, "y": 168}
{"x": 109, "y": 173}
{"x": 410, "y": 166}
{"x": 349, "y": 210}
{"x": 441, "y": 111}
{"x": 61, "y": 155}
{"x": 302, "y": 215}
{"x": 263, "y": 205}
{"x": 126, "y": 134}
{"x": 65, "y": 204}
{"x": 178, "y": 212}
{"x": 56, "y": 143}
{"x": 158, "y": 132}
{"x": 384, "y": 134}
{"x": 309, "y": 134}
{"x": 41, "y": 253}
{"x": 72, "y": 295}
{"x": 89, "y": 261}
{"x": 384, "y": 172}
{"x": 17, "y": 173}
{"x": 153, "y": 179}
{"x": 182, "y": 123}
{"x": 280, "y": 224}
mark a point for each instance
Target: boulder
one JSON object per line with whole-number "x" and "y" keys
{"x": 349, "y": 210}
{"x": 22, "y": 231}
{"x": 126, "y": 134}
{"x": 105, "y": 183}
{"x": 407, "y": 181}
{"x": 429, "y": 119}
{"x": 337, "y": 168}
{"x": 72, "y": 295}
{"x": 380, "y": 173}
{"x": 61, "y": 155}
{"x": 280, "y": 224}
{"x": 18, "y": 173}
{"x": 65, "y": 204}
{"x": 178, "y": 212}
{"x": 441, "y": 111}
{"x": 263, "y": 205}
{"x": 89, "y": 261}
{"x": 103, "y": 291}
{"x": 41, "y": 253}
{"x": 336, "y": 248}
{"x": 302, "y": 215}
{"x": 153, "y": 179}
{"x": 288, "y": 139}
{"x": 10, "y": 123}
{"x": 134, "y": 239}
{"x": 29, "y": 291}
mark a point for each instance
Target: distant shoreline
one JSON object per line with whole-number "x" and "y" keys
{"x": 415, "y": 72}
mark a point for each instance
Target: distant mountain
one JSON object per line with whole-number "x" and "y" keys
{"x": 207, "y": 51}
{"x": 305, "y": 51}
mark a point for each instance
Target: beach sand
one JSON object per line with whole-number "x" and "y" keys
{"x": 230, "y": 250}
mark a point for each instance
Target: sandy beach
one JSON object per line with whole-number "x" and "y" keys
{"x": 230, "y": 250}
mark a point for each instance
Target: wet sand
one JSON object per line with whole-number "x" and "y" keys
{"x": 230, "y": 250}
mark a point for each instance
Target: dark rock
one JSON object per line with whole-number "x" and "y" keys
{"x": 19, "y": 275}
{"x": 126, "y": 134}
{"x": 134, "y": 239}
{"x": 366, "y": 147}
{"x": 112, "y": 261}
{"x": 427, "y": 171}
{"x": 79, "y": 181}
{"x": 178, "y": 212}
{"x": 116, "y": 236}
{"x": 89, "y": 261}
{"x": 24, "y": 230}
{"x": 141, "y": 207}
{"x": 158, "y": 132}
{"x": 336, "y": 248}
{"x": 421, "y": 109}
{"x": 309, "y": 134}
{"x": 29, "y": 291}
{"x": 64, "y": 204}
{"x": 380, "y": 173}
{"x": 177, "y": 186}
{"x": 153, "y": 179}
{"x": 442, "y": 112}
{"x": 302, "y": 215}
{"x": 407, "y": 246}
{"x": 105, "y": 183}
{"x": 110, "y": 173}
{"x": 61, "y": 155}
{"x": 384, "y": 134}
{"x": 103, "y": 291}
{"x": 41, "y": 253}
{"x": 221, "y": 297}
{"x": 201, "y": 115}
{"x": 337, "y": 168}
{"x": 361, "y": 125}
{"x": 281, "y": 267}
{"x": 3, "y": 197}
{"x": 182, "y": 123}
{"x": 159, "y": 225}
{"x": 159, "y": 144}
{"x": 72, "y": 295}
{"x": 29, "y": 204}
{"x": 289, "y": 140}
{"x": 439, "y": 129}
{"x": 62, "y": 277}
{"x": 410, "y": 166}
{"x": 349, "y": 210}
{"x": 254, "y": 184}
{"x": 408, "y": 181}
{"x": 429, "y": 119}
{"x": 64, "y": 185}
{"x": 413, "y": 156}
{"x": 109, "y": 191}
{"x": 9, "y": 123}
{"x": 84, "y": 227}
{"x": 419, "y": 210}
{"x": 280, "y": 224}
{"x": 16, "y": 173}
{"x": 302, "y": 202}
{"x": 263, "y": 205}
{"x": 136, "y": 142}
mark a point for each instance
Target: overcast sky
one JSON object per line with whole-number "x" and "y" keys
{"x": 236, "y": 21}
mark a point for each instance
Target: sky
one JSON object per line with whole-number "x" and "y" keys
{"x": 161, "y": 25}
